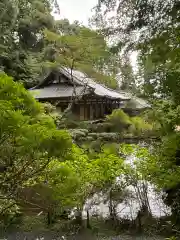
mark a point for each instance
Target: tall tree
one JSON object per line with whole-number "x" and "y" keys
{"x": 64, "y": 27}
{"x": 152, "y": 28}
{"x": 21, "y": 40}
{"x": 85, "y": 50}
{"x": 29, "y": 141}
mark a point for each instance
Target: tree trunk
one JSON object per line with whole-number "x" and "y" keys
{"x": 78, "y": 217}
{"x": 88, "y": 220}
{"x": 49, "y": 218}
{"x": 139, "y": 224}
{"x": 111, "y": 211}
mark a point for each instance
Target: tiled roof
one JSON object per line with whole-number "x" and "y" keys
{"x": 140, "y": 103}
{"x": 57, "y": 91}
{"x": 99, "y": 89}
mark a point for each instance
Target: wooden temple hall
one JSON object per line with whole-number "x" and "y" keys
{"x": 91, "y": 100}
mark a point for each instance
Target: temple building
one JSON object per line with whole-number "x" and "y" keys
{"x": 91, "y": 100}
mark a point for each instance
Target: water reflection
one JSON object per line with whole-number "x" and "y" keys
{"x": 131, "y": 205}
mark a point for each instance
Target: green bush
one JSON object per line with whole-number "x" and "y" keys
{"x": 140, "y": 127}
{"x": 31, "y": 223}
{"x": 84, "y": 124}
{"x": 101, "y": 127}
{"x": 118, "y": 115}
{"x": 29, "y": 142}
{"x": 119, "y": 120}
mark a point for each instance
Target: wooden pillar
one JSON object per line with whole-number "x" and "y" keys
{"x": 84, "y": 105}
{"x": 58, "y": 109}
{"x": 86, "y": 109}
{"x": 81, "y": 112}
{"x": 102, "y": 109}
{"x": 113, "y": 106}
{"x": 106, "y": 107}
{"x": 91, "y": 111}
{"x": 117, "y": 105}
{"x": 94, "y": 110}
{"x": 98, "y": 110}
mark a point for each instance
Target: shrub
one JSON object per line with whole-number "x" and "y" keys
{"x": 119, "y": 120}
{"x": 139, "y": 126}
{"x": 29, "y": 142}
{"x": 32, "y": 223}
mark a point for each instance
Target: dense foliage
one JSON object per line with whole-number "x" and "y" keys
{"x": 85, "y": 50}
{"x": 137, "y": 126}
{"x": 41, "y": 170}
{"x": 22, "y": 40}
{"x": 28, "y": 38}
{"x": 152, "y": 29}
{"x": 29, "y": 141}
{"x": 46, "y": 170}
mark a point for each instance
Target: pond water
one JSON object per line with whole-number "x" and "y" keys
{"x": 129, "y": 208}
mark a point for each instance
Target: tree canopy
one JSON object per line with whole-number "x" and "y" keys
{"x": 152, "y": 29}
{"x": 29, "y": 139}
{"x": 25, "y": 48}
{"x": 40, "y": 167}
{"x": 83, "y": 49}
{"x": 22, "y": 41}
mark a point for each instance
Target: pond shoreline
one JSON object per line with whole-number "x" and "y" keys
{"x": 86, "y": 235}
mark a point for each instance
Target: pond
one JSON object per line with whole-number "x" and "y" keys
{"x": 129, "y": 208}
